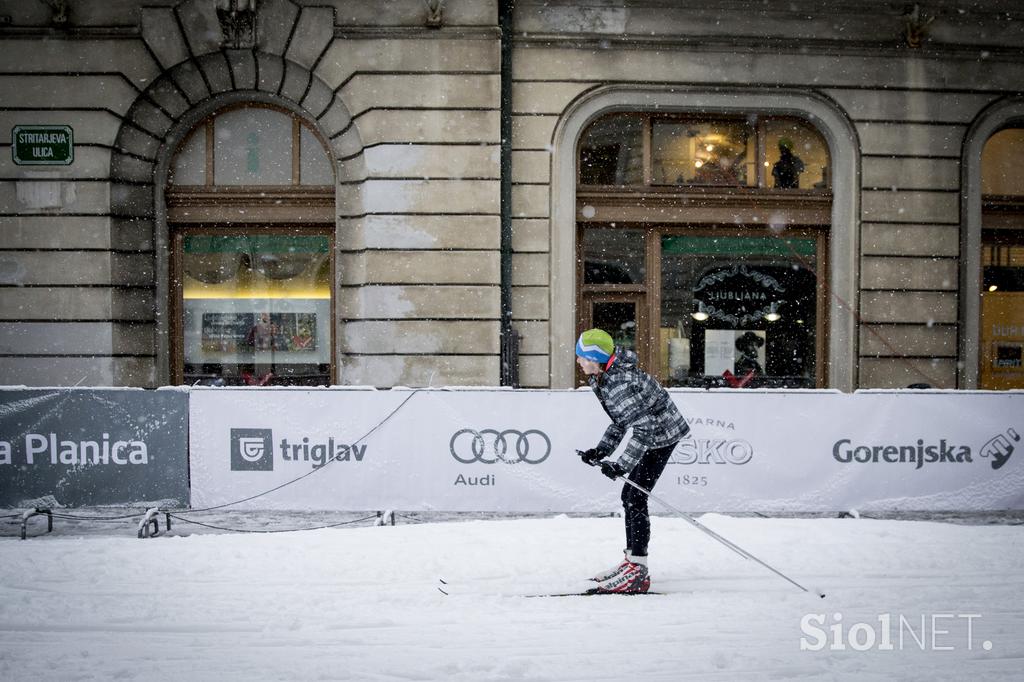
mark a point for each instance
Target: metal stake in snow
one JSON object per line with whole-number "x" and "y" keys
{"x": 701, "y": 527}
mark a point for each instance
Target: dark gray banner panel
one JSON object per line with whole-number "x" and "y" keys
{"x": 93, "y": 446}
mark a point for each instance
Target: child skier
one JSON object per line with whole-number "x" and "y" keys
{"x": 632, "y": 399}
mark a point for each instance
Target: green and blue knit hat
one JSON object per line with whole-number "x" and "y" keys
{"x": 596, "y": 345}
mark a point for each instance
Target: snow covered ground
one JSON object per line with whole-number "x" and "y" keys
{"x": 361, "y": 603}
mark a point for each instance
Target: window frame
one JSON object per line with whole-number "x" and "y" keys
{"x": 702, "y": 210}
{"x": 177, "y": 306}
{"x": 649, "y": 293}
{"x": 211, "y": 203}
{"x": 242, "y": 210}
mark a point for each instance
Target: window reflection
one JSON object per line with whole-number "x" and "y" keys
{"x": 618, "y": 319}
{"x": 253, "y": 146}
{"x": 796, "y": 155}
{"x": 1000, "y": 164}
{"x": 190, "y": 162}
{"x": 703, "y": 153}
{"x": 256, "y": 309}
{"x": 613, "y": 256}
{"x": 611, "y": 151}
{"x": 768, "y": 152}
{"x": 1002, "y": 310}
{"x": 742, "y": 305}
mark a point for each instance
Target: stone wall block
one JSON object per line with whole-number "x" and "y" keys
{"x": 132, "y": 269}
{"x": 147, "y": 116}
{"x": 133, "y": 304}
{"x": 124, "y": 167}
{"x": 188, "y": 77}
{"x": 397, "y": 126}
{"x": 296, "y": 79}
{"x": 215, "y": 67}
{"x": 202, "y": 27}
{"x": 165, "y": 93}
{"x": 318, "y": 99}
{"x": 163, "y": 36}
{"x": 335, "y": 119}
{"x": 271, "y": 70}
{"x": 316, "y": 26}
{"x": 139, "y": 371}
{"x": 131, "y": 234}
{"x": 418, "y": 370}
{"x": 910, "y": 240}
{"x": 131, "y": 200}
{"x": 243, "y": 66}
{"x": 274, "y": 24}
{"x": 349, "y": 148}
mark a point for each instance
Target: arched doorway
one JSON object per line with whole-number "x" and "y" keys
{"x": 250, "y": 215}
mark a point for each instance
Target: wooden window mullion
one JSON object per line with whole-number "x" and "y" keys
{"x": 296, "y": 151}
{"x": 209, "y": 153}
{"x": 648, "y": 152}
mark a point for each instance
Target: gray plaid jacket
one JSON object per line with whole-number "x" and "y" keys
{"x": 633, "y": 399}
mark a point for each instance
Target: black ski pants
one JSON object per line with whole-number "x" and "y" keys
{"x": 634, "y": 503}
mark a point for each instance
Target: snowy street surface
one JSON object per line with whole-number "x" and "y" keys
{"x": 361, "y": 603}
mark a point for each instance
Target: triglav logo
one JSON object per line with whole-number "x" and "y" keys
{"x": 489, "y": 446}
{"x": 252, "y": 450}
{"x": 1000, "y": 448}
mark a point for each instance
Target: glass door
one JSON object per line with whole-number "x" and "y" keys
{"x": 741, "y": 308}
{"x": 623, "y": 316}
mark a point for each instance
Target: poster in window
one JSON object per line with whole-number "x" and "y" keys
{"x": 1002, "y": 340}
{"x": 239, "y": 332}
{"x": 740, "y": 351}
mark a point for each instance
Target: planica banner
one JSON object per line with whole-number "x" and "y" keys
{"x": 93, "y": 446}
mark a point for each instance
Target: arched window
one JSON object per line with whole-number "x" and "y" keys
{"x": 1002, "y": 262}
{"x": 250, "y": 208}
{"x": 702, "y": 245}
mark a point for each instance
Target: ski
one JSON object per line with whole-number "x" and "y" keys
{"x": 444, "y": 589}
{"x": 594, "y": 593}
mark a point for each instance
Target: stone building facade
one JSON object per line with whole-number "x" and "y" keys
{"x": 415, "y": 168}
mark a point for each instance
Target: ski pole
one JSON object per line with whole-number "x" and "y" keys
{"x": 700, "y": 526}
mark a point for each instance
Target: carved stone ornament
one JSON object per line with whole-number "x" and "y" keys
{"x": 434, "y": 11}
{"x": 237, "y": 22}
{"x": 917, "y": 25}
{"x": 59, "y": 12}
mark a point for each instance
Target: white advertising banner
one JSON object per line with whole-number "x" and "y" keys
{"x": 504, "y": 450}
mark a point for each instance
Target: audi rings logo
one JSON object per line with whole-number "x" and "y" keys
{"x": 490, "y": 446}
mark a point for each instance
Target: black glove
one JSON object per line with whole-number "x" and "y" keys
{"x": 612, "y": 470}
{"x": 591, "y": 456}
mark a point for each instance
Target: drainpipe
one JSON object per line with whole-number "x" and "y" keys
{"x": 509, "y": 337}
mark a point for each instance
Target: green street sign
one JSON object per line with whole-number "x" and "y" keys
{"x": 42, "y": 145}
